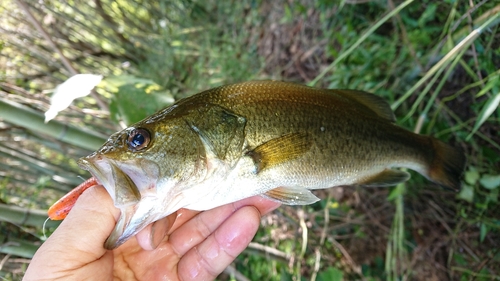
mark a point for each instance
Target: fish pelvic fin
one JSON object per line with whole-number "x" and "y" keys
{"x": 387, "y": 177}
{"x": 447, "y": 165}
{"x": 374, "y": 103}
{"x": 291, "y": 195}
{"x": 280, "y": 150}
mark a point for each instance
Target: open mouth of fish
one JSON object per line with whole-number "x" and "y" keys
{"x": 132, "y": 185}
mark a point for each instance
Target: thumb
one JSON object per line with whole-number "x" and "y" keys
{"x": 79, "y": 239}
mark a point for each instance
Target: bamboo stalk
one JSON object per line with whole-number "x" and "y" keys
{"x": 42, "y": 166}
{"x": 26, "y": 117}
{"x": 17, "y": 247}
{"x": 22, "y": 216}
{"x": 34, "y": 157}
{"x": 20, "y": 181}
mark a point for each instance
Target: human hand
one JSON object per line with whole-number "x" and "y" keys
{"x": 187, "y": 245}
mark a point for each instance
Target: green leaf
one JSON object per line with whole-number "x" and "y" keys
{"x": 460, "y": 260}
{"x": 134, "y": 98}
{"x": 427, "y": 15}
{"x": 399, "y": 190}
{"x": 483, "y": 230}
{"x": 490, "y": 181}
{"x": 113, "y": 83}
{"x": 493, "y": 81}
{"x": 331, "y": 274}
{"x": 493, "y": 195}
{"x": 467, "y": 193}
{"x": 471, "y": 176}
{"x": 132, "y": 103}
{"x": 488, "y": 109}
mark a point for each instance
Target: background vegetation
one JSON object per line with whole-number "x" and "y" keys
{"x": 436, "y": 62}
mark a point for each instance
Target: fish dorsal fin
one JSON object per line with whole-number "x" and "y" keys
{"x": 291, "y": 195}
{"x": 387, "y": 177}
{"x": 375, "y": 103}
{"x": 280, "y": 150}
{"x": 220, "y": 130}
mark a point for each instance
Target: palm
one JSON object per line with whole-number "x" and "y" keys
{"x": 131, "y": 260}
{"x": 188, "y": 245}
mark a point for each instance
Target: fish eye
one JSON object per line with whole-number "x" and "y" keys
{"x": 138, "y": 139}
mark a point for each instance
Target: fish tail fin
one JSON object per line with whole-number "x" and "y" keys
{"x": 447, "y": 165}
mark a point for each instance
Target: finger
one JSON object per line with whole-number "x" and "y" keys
{"x": 264, "y": 206}
{"x": 83, "y": 231}
{"x": 89, "y": 223}
{"x": 150, "y": 237}
{"x": 207, "y": 260}
{"x": 201, "y": 226}
{"x": 183, "y": 215}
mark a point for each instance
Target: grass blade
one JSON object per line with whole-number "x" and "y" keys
{"x": 487, "y": 110}
{"x": 465, "y": 43}
{"x": 359, "y": 41}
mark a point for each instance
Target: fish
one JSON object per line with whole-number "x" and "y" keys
{"x": 279, "y": 140}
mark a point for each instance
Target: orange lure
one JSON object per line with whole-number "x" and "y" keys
{"x": 61, "y": 208}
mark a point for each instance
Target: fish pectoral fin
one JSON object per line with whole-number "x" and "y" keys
{"x": 280, "y": 150}
{"x": 387, "y": 177}
{"x": 291, "y": 195}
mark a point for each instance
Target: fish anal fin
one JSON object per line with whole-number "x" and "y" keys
{"x": 375, "y": 103}
{"x": 291, "y": 195}
{"x": 387, "y": 177}
{"x": 280, "y": 150}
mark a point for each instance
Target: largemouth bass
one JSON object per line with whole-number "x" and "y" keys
{"x": 274, "y": 139}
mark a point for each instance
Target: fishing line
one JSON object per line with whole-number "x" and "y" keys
{"x": 43, "y": 229}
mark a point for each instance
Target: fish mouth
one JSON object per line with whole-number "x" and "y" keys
{"x": 132, "y": 186}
